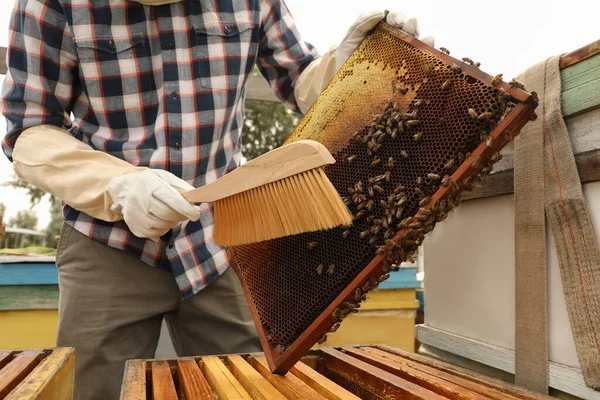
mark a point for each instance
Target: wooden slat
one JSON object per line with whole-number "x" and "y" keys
{"x": 323, "y": 386}
{"x": 465, "y": 373}
{"x": 28, "y": 297}
{"x": 5, "y": 357}
{"x": 580, "y": 54}
{"x": 581, "y": 87}
{"x": 192, "y": 383}
{"x": 431, "y": 381}
{"x": 289, "y": 385}
{"x": 134, "y": 381}
{"x": 13, "y": 373}
{"x": 466, "y": 383}
{"x": 52, "y": 379}
{"x": 254, "y": 383}
{"x": 163, "y": 387}
{"x": 222, "y": 380}
{"x": 376, "y": 380}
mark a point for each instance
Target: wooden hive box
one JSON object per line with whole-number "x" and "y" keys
{"x": 41, "y": 374}
{"x": 358, "y": 372}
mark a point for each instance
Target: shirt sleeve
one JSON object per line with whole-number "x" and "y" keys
{"x": 282, "y": 55}
{"x": 42, "y": 70}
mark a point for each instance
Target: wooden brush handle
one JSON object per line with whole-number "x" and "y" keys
{"x": 283, "y": 162}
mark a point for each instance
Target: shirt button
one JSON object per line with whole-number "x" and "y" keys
{"x": 227, "y": 29}
{"x": 111, "y": 45}
{"x": 177, "y": 146}
{"x": 174, "y": 95}
{"x": 170, "y": 46}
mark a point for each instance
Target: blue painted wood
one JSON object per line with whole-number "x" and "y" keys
{"x": 421, "y": 298}
{"x": 405, "y": 278}
{"x": 28, "y": 274}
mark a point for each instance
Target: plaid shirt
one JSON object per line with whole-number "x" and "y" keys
{"x": 157, "y": 86}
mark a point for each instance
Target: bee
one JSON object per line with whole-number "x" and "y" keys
{"x": 375, "y": 162}
{"x": 419, "y": 192}
{"x": 390, "y": 243}
{"x": 399, "y": 213}
{"x": 312, "y": 245}
{"x": 400, "y": 89}
{"x": 461, "y": 158}
{"x": 372, "y": 240}
{"x": 488, "y": 142}
{"x": 359, "y": 207}
{"x": 477, "y": 64}
{"x": 351, "y": 158}
{"x": 446, "y": 85}
{"x": 415, "y": 225}
{"x": 433, "y": 177}
{"x": 418, "y": 103}
{"x": 441, "y": 217}
{"x": 270, "y": 338}
{"x": 383, "y": 204}
{"x": 467, "y": 181}
{"x": 334, "y": 327}
{"x": 412, "y": 123}
{"x": 383, "y": 277}
{"x": 378, "y": 188}
{"x": 425, "y": 211}
{"x": 421, "y": 217}
{"x": 516, "y": 84}
{"x": 320, "y": 269}
{"x": 454, "y": 184}
{"x": 502, "y": 94}
{"x": 378, "y": 178}
{"x": 450, "y": 164}
{"x": 473, "y": 114}
{"x": 418, "y": 135}
{"x": 402, "y": 201}
{"x": 323, "y": 339}
{"x": 346, "y": 233}
{"x": 330, "y": 269}
{"x": 496, "y": 79}
{"x": 445, "y": 180}
{"x": 436, "y": 204}
{"x": 364, "y": 234}
{"x": 419, "y": 180}
{"x": 424, "y": 201}
{"x": 535, "y": 96}
{"x": 390, "y": 163}
{"x": 384, "y": 224}
{"x": 403, "y": 153}
{"x": 476, "y": 162}
{"x": 380, "y": 250}
{"x": 369, "y": 205}
{"x": 455, "y": 68}
{"x": 445, "y": 50}
{"x": 496, "y": 157}
{"x": 360, "y": 214}
{"x": 388, "y": 176}
{"x": 280, "y": 348}
{"x": 485, "y": 116}
{"x": 370, "y": 191}
{"x": 428, "y": 69}
{"x": 380, "y": 127}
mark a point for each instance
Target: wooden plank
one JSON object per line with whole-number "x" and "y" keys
{"x": 323, "y": 386}
{"x": 502, "y": 183}
{"x": 254, "y": 383}
{"x": 222, "y": 380}
{"x": 436, "y": 381}
{"x": 289, "y": 385}
{"x": 580, "y": 54}
{"x": 192, "y": 383}
{"x": 581, "y": 87}
{"x": 134, "y": 381}
{"x": 28, "y": 297}
{"x": 5, "y": 357}
{"x": 29, "y": 274}
{"x": 562, "y": 377}
{"x": 52, "y": 379}
{"x": 21, "y": 365}
{"x": 373, "y": 379}
{"x": 163, "y": 387}
{"x": 442, "y": 373}
{"x": 257, "y": 88}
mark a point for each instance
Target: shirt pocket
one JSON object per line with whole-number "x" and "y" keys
{"x": 117, "y": 73}
{"x": 222, "y": 53}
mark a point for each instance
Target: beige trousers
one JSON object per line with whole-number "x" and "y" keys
{"x": 111, "y": 309}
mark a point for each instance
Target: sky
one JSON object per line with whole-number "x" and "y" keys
{"x": 506, "y": 37}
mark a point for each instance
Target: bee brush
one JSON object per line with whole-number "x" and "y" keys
{"x": 283, "y": 192}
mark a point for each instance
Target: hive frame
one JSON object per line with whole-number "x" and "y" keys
{"x": 280, "y": 363}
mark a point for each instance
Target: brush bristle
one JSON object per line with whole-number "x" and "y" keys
{"x": 304, "y": 202}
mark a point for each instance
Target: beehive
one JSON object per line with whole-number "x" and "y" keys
{"x": 352, "y": 373}
{"x": 410, "y": 127}
{"x": 37, "y": 374}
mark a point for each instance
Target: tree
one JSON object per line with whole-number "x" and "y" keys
{"x": 35, "y": 194}
{"x": 25, "y": 219}
{"x": 2, "y": 209}
{"x": 53, "y": 228}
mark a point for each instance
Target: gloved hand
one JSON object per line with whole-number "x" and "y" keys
{"x": 367, "y": 21}
{"x": 150, "y": 202}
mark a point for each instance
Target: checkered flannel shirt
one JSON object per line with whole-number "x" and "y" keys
{"x": 157, "y": 86}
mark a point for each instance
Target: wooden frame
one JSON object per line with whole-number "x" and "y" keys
{"x": 281, "y": 362}
{"x": 347, "y": 373}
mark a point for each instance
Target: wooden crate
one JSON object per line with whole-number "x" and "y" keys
{"x": 42, "y": 374}
{"x": 358, "y": 372}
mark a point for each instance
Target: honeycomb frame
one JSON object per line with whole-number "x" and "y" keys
{"x": 301, "y": 287}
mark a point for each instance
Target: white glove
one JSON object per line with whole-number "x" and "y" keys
{"x": 367, "y": 21}
{"x": 150, "y": 202}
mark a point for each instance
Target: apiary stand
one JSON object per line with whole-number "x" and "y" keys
{"x": 470, "y": 299}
